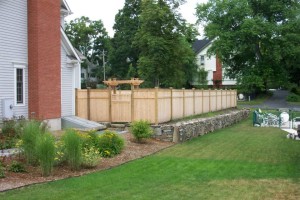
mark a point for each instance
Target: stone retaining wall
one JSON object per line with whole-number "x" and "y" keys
{"x": 186, "y": 130}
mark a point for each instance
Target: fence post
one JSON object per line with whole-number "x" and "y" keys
{"x": 109, "y": 104}
{"x": 226, "y": 98}
{"x": 156, "y": 105}
{"x": 132, "y": 103}
{"x": 88, "y": 103}
{"x": 202, "y": 111}
{"x": 235, "y": 98}
{"x": 230, "y": 95}
{"x": 183, "y": 102}
{"x": 216, "y": 100}
{"x": 221, "y": 99}
{"x": 209, "y": 108}
{"x": 194, "y": 100}
{"x": 171, "y": 104}
{"x": 76, "y": 101}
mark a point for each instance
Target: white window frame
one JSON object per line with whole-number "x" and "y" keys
{"x": 202, "y": 62}
{"x": 23, "y": 67}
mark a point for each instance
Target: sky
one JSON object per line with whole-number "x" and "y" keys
{"x": 107, "y": 9}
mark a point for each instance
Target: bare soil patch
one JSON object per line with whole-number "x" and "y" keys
{"x": 131, "y": 152}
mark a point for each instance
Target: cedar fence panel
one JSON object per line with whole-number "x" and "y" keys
{"x": 155, "y": 105}
{"x": 144, "y": 105}
{"x": 178, "y": 106}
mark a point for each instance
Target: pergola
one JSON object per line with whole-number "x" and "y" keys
{"x": 113, "y": 83}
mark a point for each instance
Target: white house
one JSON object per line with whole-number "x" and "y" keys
{"x": 216, "y": 73}
{"x": 39, "y": 68}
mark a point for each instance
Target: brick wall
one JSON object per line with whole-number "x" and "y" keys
{"x": 44, "y": 61}
{"x": 217, "y": 75}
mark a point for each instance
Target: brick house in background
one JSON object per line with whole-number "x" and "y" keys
{"x": 39, "y": 68}
{"x": 215, "y": 73}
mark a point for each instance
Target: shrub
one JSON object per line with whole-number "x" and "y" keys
{"x": 110, "y": 144}
{"x": 141, "y": 129}
{"x": 293, "y": 98}
{"x": 73, "y": 145}
{"x": 17, "y": 167}
{"x": 8, "y": 127}
{"x": 29, "y": 137}
{"x": 90, "y": 157}
{"x": 11, "y": 130}
{"x": 294, "y": 89}
{"x": 45, "y": 149}
{"x": 89, "y": 139}
{"x": 13, "y": 127}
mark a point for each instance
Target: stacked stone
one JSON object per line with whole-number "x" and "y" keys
{"x": 186, "y": 130}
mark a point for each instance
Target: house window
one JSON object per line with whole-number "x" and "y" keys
{"x": 82, "y": 75}
{"x": 19, "y": 85}
{"x": 202, "y": 60}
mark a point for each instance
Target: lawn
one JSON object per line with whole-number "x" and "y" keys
{"x": 257, "y": 101}
{"x": 239, "y": 162}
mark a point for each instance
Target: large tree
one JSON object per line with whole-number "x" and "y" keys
{"x": 258, "y": 40}
{"x": 124, "y": 54}
{"x": 166, "y": 57}
{"x": 91, "y": 39}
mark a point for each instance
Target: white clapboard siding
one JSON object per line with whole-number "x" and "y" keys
{"x": 13, "y": 50}
{"x": 67, "y": 88}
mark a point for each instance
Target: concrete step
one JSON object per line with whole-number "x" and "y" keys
{"x": 80, "y": 123}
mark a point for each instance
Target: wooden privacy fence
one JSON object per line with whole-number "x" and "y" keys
{"x": 155, "y": 105}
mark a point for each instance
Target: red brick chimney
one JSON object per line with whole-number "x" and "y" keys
{"x": 217, "y": 75}
{"x": 44, "y": 59}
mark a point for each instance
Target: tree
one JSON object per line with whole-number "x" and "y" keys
{"x": 91, "y": 39}
{"x": 257, "y": 40}
{"x": 124, "y": 55}
{"x": 166, "y": 57}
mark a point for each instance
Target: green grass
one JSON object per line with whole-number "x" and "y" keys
{"x": 258, "y": 100}
{"x": 239, "y": 162}
{"x": 294, "y": 103}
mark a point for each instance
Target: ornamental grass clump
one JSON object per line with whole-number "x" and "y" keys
{"x": 45, "y": 149}
{"x": 141, "y": 130}
{"x": 73, "y": 151}
{"x": 110, "y": 144}
{"x": 31, "y": 132}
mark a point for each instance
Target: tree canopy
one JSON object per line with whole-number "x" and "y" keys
{"x": 258, "y": 40}
{"x": 124, "y": 54}
{"x": 166, "y": 58}
{"x": 90, "y": 38}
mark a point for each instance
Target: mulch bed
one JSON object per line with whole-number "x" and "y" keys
{"x": 131, "y": 151}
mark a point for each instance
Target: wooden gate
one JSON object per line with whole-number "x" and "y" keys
{"x": 121, "y": 107}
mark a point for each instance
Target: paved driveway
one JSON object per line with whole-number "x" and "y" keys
{"x": 276, "y": 101}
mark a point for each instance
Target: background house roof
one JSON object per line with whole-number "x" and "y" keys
{"x": 198, "y": 45}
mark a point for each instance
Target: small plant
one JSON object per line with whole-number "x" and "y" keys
{"x": 17, "y": 167}
{"x": 90, "y": 157}
{"x": 45, "y": 149}
{"x": 59, "y": 152}
{"x": 110, "y": 144}
{"x": 141, "y": 129}
{"x": 73, "y": 145}
{"x": 29, "y": 137}
{"x": 2, "y": 174}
